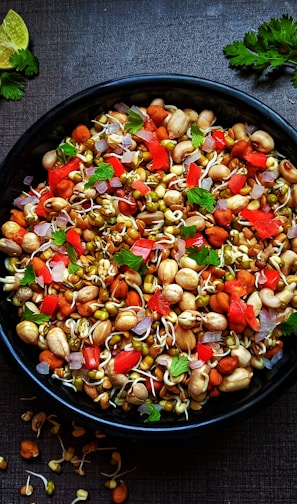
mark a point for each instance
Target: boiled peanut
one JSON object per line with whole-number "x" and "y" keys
{"x": 187, "y": 278}
{"x": 167, "y": 271}
{"x": 87, "y": 293}
{"x": 57, "y": 342}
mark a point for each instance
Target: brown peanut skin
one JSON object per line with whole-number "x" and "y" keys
{"x": 227, "y": 365}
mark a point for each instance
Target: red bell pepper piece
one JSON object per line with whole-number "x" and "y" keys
{"x": 55, "y": 175}
{"x": 159, "y": 303}
{"x": 219, "y": 138}
{"x": 272, "y": 278}
{"x": 236, "y": 182}
{"x": 255, "y": 158}
{"x": 126, "y": 360}
{"x": 40, "y": 210}
{"x": 264, "y": 222}
{"x": 74, "y": 239}
{"x": 160, "y": 157}
{"x": 193, "y": 175}
{"x": 140, "y": 186}
{"x": 49, "y": 304}
{"x": 91, "y": 356}
{"x": 142, "y": 247}
{"x": 204, "y": 352}
{"x": 118, "y": 167}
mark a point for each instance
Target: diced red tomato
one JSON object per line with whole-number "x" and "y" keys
{"x": 140, "y": 186}
{"x": 160, "y": 156}
{"x": 73, "y": 237}
{"x": 118, "y": 167}
{"x": 205, "y": 352}
{"x": 219, "y": 138}
{"x": 126, "y": 360}
{"x": 49, "y": 304}
{"x": 159, "y": 303}
{"x": 196, "y": 241}
{"x": 255, "y": 158}
{"x": 142, "y": 247}
{"x": 264, "y": 222}
{"x": 40, "y": 210}
{"x": 236, "y": 182}
{"x": 193, "y": 175}
{"x": 272, "y": 278}
{"x": 55, "y": 175}
{"x": 91, "y": 356}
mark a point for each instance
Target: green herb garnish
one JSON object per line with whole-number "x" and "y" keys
{"x": 203, "y": 255}
{"x": 104, "y": 171}
{"x": 201, "y": 197}
{"x": 72, "y": 266}
{"x": 59, "y": 237}
{"x": 38, "y": 318}
{"x": 135, "y": 122}
{"x": 154, "y": 413}
{"x": 12, "y": 83}
{"x": 133, "y": 261}
{"x": 273, "y": 46}
{"x": 179, "y": 365}
{"x": 289, "y": 326}
{"x": 197, "y": 135}
{"x": 29, "y": 275}
{"x": 188, "y": 231}
{"x": 66, "y": 149}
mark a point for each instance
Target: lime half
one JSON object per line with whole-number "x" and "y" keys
{"x": 14, "y": 35}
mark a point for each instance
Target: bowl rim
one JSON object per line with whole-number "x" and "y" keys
{"x": 235, "y": 414}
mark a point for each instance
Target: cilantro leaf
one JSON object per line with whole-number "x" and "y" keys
{"x": 71, "y": 253}
{"x": 273, "y": 45}
{"x": 59, "y": 237}
{"x": 197, "y": 135}
{"x": 289, "y": 326}
{"x": 67, "y": 149}
{"x": 135, "y": 122}
{"x": 203, "y": 255}
{"x": 202, "y": 198}
{"x": 179, "y": 365}
{"x": 12, "y": 85}
{"x": 126, "y": 257}
{"x": 25, "y": 61}
{"x": 104, "y": 171}
{"x": 38, "y": 318}
{"x": 188, "y": 231}
{"x": 29, "y": 275}
{"x": 154, "y": 413}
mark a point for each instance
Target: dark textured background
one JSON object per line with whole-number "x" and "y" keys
{"x": 80, "y": 44}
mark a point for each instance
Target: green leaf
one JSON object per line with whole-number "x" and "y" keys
{"x": 67, "y": 149}
{"x": 154, "y": 413}
{"x": 73, "y": 268}
{"x": 179, "y": 365}
{"x": 126, "y": 257}
{"x": 12, "y": 85}
{"x": 274, "y": 45}
{"x": 135, "y": 122}
{"x": 71, "y": 253}
{"x": 202, "y": 198}
{"x": 289, "y": 326}
{"x": 38, "y": 318}
{"x": 29, "y": 275}
{"x": 104, "y": 171}
{"x": 188, "y": 231}
{"x": 59, "y": 237}
{"x": 203, "y": 255}
{"x": 197, "y": 136}
{"x": 25, "y": 61}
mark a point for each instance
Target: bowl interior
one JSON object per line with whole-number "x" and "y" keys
{"x": 230, "y": 106}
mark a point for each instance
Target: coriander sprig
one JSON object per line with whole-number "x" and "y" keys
{"x": 12, "y": 83}
{"x": 274, "y": 45}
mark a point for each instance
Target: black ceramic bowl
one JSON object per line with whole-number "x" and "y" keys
{"x": 230, "y": 105}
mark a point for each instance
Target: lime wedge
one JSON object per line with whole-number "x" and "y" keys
{"x": 14, "y": 35}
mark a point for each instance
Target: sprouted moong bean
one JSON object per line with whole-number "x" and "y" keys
{"x": 155, "y": 268}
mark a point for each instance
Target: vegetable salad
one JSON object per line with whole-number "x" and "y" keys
{"x": 155, "y": 266}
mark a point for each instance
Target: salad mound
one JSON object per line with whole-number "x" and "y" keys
{"x": 155, "y": 266}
